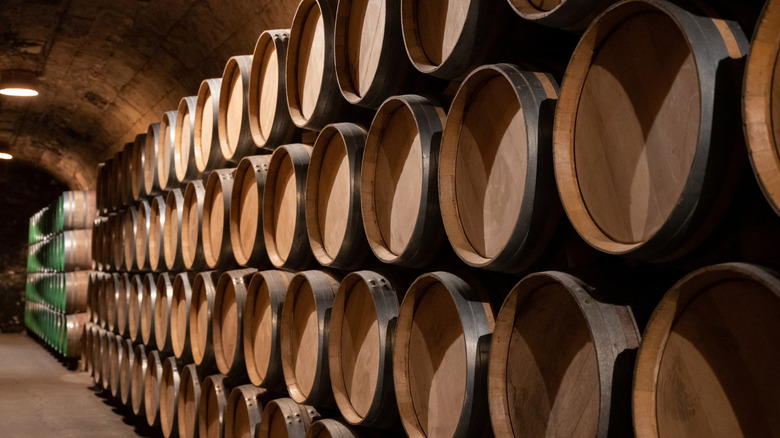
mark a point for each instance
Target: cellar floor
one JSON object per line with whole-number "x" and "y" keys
{"x": 40, "y": 396}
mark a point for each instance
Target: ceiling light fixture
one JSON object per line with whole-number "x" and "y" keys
{"x": 5, "y": 151}
{"x": 18, "y": 83}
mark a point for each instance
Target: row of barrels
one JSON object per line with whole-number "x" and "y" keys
{"x": 440, "y": 358}
{"x": 63, "y": 291}
{"x": 484, "y": 167}
{"x": 65, "y": 251}
{"x": 60, "y": 331}
{"x": 72, "y": 210}
{"x": 179, "y": 400}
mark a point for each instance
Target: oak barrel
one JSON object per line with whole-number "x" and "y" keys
{"x": 188, "y": 401}
{"x": 334, "y": 221}
{"x": 304, "y": 337}
{"x": 78, "y": 209}
{"x": 163, "y": 306}
{"x": 118, "y": 240}
{"x": 215, "y": 226}
{"x": 137, "y": 168}
{"x": 156, "y": 239}
{"x": 76, "y": 291}
{"x": 398, "y": 181}
{"x": 215, "y": 391}
{"x": 208, "y": 156}
{"x": 244, "y": 411}
{"x": 143, "y": 222}
{"x": 130, "y": 223}
{"x": 151, "y": 185}
{"x": 191, "y": 223}
{"x": 284, "y": 418}
{"x": 590, "y": 365}
{"x": 115, "y": 364}
{"x": 570, "y": 15}
{"x": 201, "y": 319}
{"x": 134, "y": 308}
{"x": 180, "y": 316}
{"x": 152, "y": 381}
{"x": 284, "y": 207}
{"x": 262, "y": 327}
{"x": 126, "y": 372}
{"x": 148, "y": 298}
{"x": 706, "y": 363}
{"x": 439, "y": 358}
{"x": 183, "y": 154}
{"x": 648, "y": 81}
{"x": 172, "y": 232}
{"x": 122, "y": 286}
{"x": 246, "y": 209}
{"x": 169, "y": 396}
{"x": 76, "y": 250}
{"x": 74, "y": 332}
{"x": 137, "y": 379}
{"x": 269, "y": 118}
{"x": 496, "y": 184}
{"x": 235, "y": 137}
{"x": 166, "y": 162}
{"x": 227, "y": 325}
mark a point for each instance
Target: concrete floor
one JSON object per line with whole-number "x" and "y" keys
{"x": 40, "y": 396}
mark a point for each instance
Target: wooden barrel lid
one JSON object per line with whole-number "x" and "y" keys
{"x": 227, "y": 321}
{"x": 269, "y": 118}
{"x": 172, "y": 231}
{"x": 122, "y": 284}
{"x": 244, "y": 411}
{"x": 162, "y": 313}
{"x": 246, "y": 224}
{"x": 191, "y": 223}
{"x": 402, "y": 151}
{"x": 215, "y": 229}
{"x": 141, "y": 244}
{"x": 148, "y": 298}
{"x": 152, "y": 380}
{"x": 151, "y": 183}
{"x": 130, "y": 222}
{"x": 180, "y": 315}
{"x": 334, "y": 221}
{"x": 283, "y": 418}
{"x": 205, "y": 135}
{"x": 126, "y": 372}
{"x": 304, "y": 337}
{"x": 615, "y": 133}
{"x": 137, "y": 379}
{"x": 235, "y": 138}
{"x": 156, "y": 239}
{"x": 134, "y": 308}
{"x": 117, "y": 241}
{"x": 184, "y": 139}
{"x": 432, "y": 30}
{"x": 116, "y": 365}
{"x": 495, "y": 167}
{"x": 201, "y": 311}
{"x": 570, "y": 15}
{"x": 169, "y": 390}
{"x": 262, "y": 315}
{"x": 188, "y": 401}
{"x": 112, "y": 293}
{"x": 439, "y": 379}
{"x": 284, "y": 221}
{"x": 166, "y": 174}
{"x": 706, "y": 363}
{"x": 360, "y": 349}
{"x": 137, "y": 168}
{"x": 213, "y": 402}
{"x": 761, "y": 103}
{"x": 584, "y": 371}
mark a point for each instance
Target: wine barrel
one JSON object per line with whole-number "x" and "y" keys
{"x": 84, "y": 349}
{"x": 262, "y": 315}
{"x": 570, "y": 15}
{"x": 208, "y": 156}
{"x": 213, "y": 402}
{"x": 130, "y": 222}
{"x": 98, "y": 343}
{"x": 183, "y": 154}
{"x": 201, "y": 311}
{"x": 162, "y": 313}
{"x": 113, "y": 286}
{"x": 334, "y": 222}
{"x": 244, "y": 411}
{"x": 137, "y": 379}
{"x": 114, "y": 181}
{"x": 89, "y": 330}
{"x": 313, "y": 95}
{"x": 283, "y": 418}
{"x": 215, "y": 227}
{"x": 188, "y": 401}
{"x": 117, "y": 241}
{"x": 439, "y": 368}
{"x": 284, "y": 207}
{"x": 362, "y": 328}
{"x": 330, "y": 428}
{"x": 235, "y": 138}
{"x": 227, "y": 318}
{"x": 108, "y": 242}
{"x": 705, "y": 365}
{"x": 590, "y": 365}
{"x": 122, "y": 288}
{"x": 137, "y": 167}
{"x": 106, "y": 339}
{"x": 304, "y": 337}
{"x": 172, "y": 231}
{"x": 143, "y": 222}
{"x": 126, "y": 372}
{"x": 501, "y": 214}
{"x": 77, "y": 250}
{"x": 191, "y": 223}
{"x": 125, "y": 184}
{"x": 152, "y": 382}
{"x": 76, "y": 293}
{"x": 370, "y": 59}
{"x": 269, "y": 118}
{"x": 180, "y": 316}
{"x": 169, "y": 391}
{"x": 761, "y": 104}
{"x": 246, "y": 201}
{"x": 156, "y": 240}
{"x": 117, "y": 357}
{"x": 151, "y": 182}
{"x": 101, "y": 187}
{"x": 402, "y": 151}
{"x": 99, "y": 238}
{"x": 78, "y": 209}
{"x": 166, "y": 161}
{"x": 148, "y": 299}
{"x": 618, "y": 186}
{"x": 74, "y": 327}
{"x": 134, "y": 308}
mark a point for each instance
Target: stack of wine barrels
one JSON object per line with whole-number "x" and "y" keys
{"x": 59, "y": 274}
{"x": 383, "y": 221}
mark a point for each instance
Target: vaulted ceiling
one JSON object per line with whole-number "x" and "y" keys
{"x": 109, "y": 68}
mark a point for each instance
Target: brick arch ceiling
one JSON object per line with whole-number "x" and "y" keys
{"x": 109, "y": 68}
